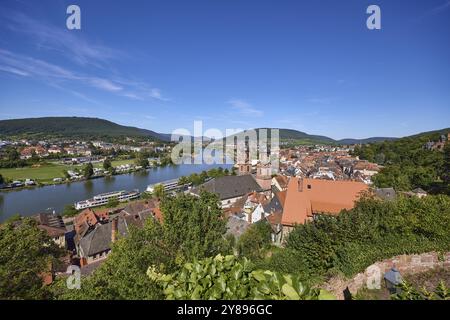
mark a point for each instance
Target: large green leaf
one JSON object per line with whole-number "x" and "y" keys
{"x": 290, "y": 292}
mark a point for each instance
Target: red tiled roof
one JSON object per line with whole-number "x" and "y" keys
{"x": 305, "y": 197}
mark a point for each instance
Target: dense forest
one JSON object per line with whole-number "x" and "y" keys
{"x": 73, "y": 127}
{"x": 408, "y": 164}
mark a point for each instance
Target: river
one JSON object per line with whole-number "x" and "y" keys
{"x": 46, "y": 199}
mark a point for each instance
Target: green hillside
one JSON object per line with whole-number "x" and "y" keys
{"x": 71, "y": 127}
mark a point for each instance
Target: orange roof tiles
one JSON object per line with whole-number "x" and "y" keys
{"x": 308, "y": 196}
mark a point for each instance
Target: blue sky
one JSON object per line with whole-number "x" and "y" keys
{"x": 307, "y": 65}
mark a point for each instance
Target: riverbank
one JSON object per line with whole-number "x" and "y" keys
{"x": 46, "y": 174}
{"x": 30, "y": 201}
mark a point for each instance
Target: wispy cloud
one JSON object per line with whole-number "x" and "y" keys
{"x": 105, "y": 84}
{"x": 245, "y": 108}
{"x": 95, "y": 59}
{"x": 61, "y": 77}
{"x": 440, "y": 8}
{"x": 155, "y": 93}
{"x": 14, "y": 71}
{"x": 319, "y": 100}
{"x": 435, "y": 10}
{"x": 60, "y": 39}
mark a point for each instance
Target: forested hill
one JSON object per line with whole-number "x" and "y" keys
{"x": 298, "y": 137}
{"x": 409, "y": 164}
{"x": 71, "y": 127}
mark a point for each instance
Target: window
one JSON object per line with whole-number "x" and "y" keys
{"x": 309, "y": 186}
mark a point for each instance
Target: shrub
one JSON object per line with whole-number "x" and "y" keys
{"x": 225, "y": 277}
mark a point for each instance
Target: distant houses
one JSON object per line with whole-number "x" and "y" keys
{"x": 438, "y": 145}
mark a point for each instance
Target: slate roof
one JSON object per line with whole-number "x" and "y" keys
{"x": 99, "y": 239}
{"x": 91, "y": 267}
{"x": 385, "y": 193}
{"x": 140, "y": 207}
{"x": 236, "y": 226}
{"x": 51, "y": 220}
{"x": 275, "y": 204}
{"x": 51, "y": 223}
{"x": 228, "y": 187}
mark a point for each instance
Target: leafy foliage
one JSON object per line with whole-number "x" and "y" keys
{"x": 88, "y": 170}
{"x": 408, "y": 165}
{"x": 122, "y": 275}
{"x": 225, "y": 277}
{"x": 112, "y": 202}
{"x": 142, "y": 160}
{"x": 193, "y": 226}
{"x": 374, "y": 230}
{"x": 197, "y": 179}
{"x": 25, "y": 253}
{"x": 70, "y": 211}
{"x": 255, "y": 239}
{"x": 107, "y": 164}
{"x": 408, "y": 292}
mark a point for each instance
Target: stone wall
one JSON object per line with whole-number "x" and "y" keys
{"x": 373, "y": 275}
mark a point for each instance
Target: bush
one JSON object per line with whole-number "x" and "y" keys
{"x": 374, "y": 230}
{"x": 225, "y": 277}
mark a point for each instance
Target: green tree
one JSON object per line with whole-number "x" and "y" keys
{"x": 158, "y": 191}
{"x": 107, "y": 164}
{"x": 66, "y": 174}
{"x": 25, "y": 253}
{"x": 34, "y": 157}
{"x": 356, "y": 238}
{"x": 183, "y": 180}
{"x": 88, "y": 170}
{"x": 70, "y": 211}
{"x": 193, "y": 226}
{"x": 112, "y": 202}
{"x": 123, "y": 274}
{"x": 446, "y": 167}
{"x": 13, "y": 155}
{"x": 255, "y": 239}
{"x": 142, "y": 160}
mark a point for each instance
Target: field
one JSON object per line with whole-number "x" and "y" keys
{"x": 46, "y": 173}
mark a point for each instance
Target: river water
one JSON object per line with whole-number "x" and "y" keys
{"x": 46, "y": 199}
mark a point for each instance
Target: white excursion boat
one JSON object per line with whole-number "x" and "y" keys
{"x": 102, "y": 199}
{"x": 169, "y": 186}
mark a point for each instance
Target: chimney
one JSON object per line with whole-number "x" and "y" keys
{"x": 83, "y": 262}
{"x": 114, "y": 229}
{"x": 300, "y": 184}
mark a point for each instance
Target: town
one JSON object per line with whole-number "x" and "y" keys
{"x": 26, "y": 162}
{"x": 313, "y": 181}
{"x": 251, "y": 152}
